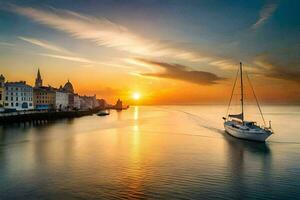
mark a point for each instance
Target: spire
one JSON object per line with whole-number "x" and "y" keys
{"x": 38, "y": 80}
{"x": 2, "y": 80}
{"x": 39, "y": 74}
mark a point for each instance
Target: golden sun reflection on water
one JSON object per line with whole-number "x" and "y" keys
{"x": 135, "y": 172}
{"x": 136, "y": 112}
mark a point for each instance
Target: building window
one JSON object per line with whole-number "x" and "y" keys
{"x": 17, "y": 104}
{"x": 17, "y": 99}
{"x": 30, "y": 104}
{"x": 11, "y": 98}
{"x": 12, "y": 104}
{"x": 24, "y": 105}
{"x": 6, "y": 98}
{"x": 6, "y": 104}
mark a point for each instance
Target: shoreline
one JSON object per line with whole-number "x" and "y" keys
{"x": 27, "y": 116}
{"x": 16, "y": 117}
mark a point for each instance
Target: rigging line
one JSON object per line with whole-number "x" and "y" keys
{"x": 256, "y": 99}
{"x": 237, "y": 73}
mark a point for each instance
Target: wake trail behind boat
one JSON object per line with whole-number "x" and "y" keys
{"x": 203, "y": 123}
{"x": 199, "y": 120}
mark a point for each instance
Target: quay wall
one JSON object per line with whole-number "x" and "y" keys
{"x": 41, "y": 115}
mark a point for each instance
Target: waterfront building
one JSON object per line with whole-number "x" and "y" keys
{"x": 18, "y": 96}
{"x": 88, "y": 102}
{"x": 44, "y": 98}
{"x": 102, "y": 103}
{"x": 2, "y": 82}
{"x": 119, "y": 105}
{"x": 95, "y": 102}
{"x": 76, "y": 101}
{"x": 61, "y": 100}
{"x": 47, "y": 98}
{"x": 68, "y": 87}
{"x": 38, "y": 80}
{"x": 70, "y": 101}
{"x": 83, "y": 104}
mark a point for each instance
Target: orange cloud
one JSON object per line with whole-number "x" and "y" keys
{"x": 180, "y": 72}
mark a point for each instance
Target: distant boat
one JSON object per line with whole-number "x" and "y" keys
{"x": 237, "y": 126}
{"x": 103, "y": 113}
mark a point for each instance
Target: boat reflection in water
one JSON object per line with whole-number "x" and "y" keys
{"x": 244, "y": 158}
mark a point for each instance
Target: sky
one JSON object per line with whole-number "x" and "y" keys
{"x": 168, "y": 51}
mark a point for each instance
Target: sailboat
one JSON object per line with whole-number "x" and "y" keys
{"x": 235, "y": 124}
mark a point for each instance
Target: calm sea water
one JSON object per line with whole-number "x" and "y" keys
{"x": 165, "y": 152}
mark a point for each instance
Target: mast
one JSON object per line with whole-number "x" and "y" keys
{"x": 242, "y": 91}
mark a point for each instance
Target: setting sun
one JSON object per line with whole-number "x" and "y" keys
{"x": 136, "y": 96}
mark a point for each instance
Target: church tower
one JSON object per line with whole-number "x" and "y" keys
{"x": 38, "y": 80}
{"x": 2, "y": 81}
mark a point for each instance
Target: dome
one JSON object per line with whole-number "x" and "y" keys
{"x": 69, "y": 87}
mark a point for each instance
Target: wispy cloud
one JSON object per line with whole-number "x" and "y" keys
{"x": 44, "y": 44}
{"x": 225, "y": 64}
{"x": 271, "y": 68}
{"x": 71, "y": 58}
{"x": 83, "y": 60}
{"x": 66, "y": 54}
{"x": 7, "y": 44}
{"x": 106, "y": 33}
{"x": 265, "y": 13}
{"x": 180, "y": 72}
{"x": 231, "y": 65}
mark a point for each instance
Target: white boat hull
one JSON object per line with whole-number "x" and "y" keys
{"x": 253, "y": 135}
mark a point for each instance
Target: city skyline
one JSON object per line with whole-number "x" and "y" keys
{"x": 21, "y": 96}
{"x": 39, "y": 83}
{"x": 167, "y": 53}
